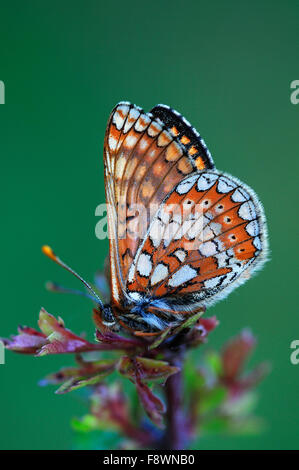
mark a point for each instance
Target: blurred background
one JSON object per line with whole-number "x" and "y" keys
{"x": 227, "y": 66}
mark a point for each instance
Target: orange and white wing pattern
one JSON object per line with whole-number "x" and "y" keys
{"x": 146, "y": 155}
{"x": 196, "y": 255}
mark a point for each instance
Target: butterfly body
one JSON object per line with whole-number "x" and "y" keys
{"x": 138, "y": 315}
{"x": 182, "y": 234}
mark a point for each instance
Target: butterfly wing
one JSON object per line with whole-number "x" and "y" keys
{"x": 186, "y": 134}
{"x": 145, "y": 156}
{"x": 207, "y": 238}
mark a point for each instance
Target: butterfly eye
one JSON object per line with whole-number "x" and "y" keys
{"x": 227, "y": 220}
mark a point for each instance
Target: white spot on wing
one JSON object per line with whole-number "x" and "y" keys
{"x": 133, "y": 116}
{"x": 120, "y": 165}
{"x": 222, "y": 259}
{"x": 112, "y": 142}
{"x": 240, "y": 195}
{"x": 160, "y": 273}
{"x": 144, "y": 265}
{"x": 145, "y": 122}
{"x": 186, "y": 184}
{"x": 143, "y": 144}
{"x": 206, "y": 181}
{"x": 225, "y": 185}
{"x": 184, "y": 274}
{"x": 108, "y": 162}
{"x": 247, "y": 211}
{"x": 257, "y": 243}
{"x": 164, "y": 139}
{"x": 120, "y": 116}
{"x": 210, "y": 283}
{"x": 156, "y": 232}
{"x": 217, "y": 228}
{"x": 253, "y": 228}
{"x": 130, "y": 141}
{"x": 208, "y": 249}
{"x": 131, "y": 273}
{"x": 154, "y": 129}
{"x": 180, "y": 254}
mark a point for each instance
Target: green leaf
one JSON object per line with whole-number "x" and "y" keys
{"x": 48, "y": 323}
{"x": 86, "y": 369}
{"x": 188, "y": 323}
{"x": 145, "y": 369}
{"x": 85, "y": 424}
{"x": 76, "y": 383}
{"x": 160, "y": 338}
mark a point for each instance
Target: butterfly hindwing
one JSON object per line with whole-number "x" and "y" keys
{"x": 204, "y": 241}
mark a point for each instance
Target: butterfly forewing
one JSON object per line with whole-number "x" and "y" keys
{"x": 186, "y": 134}
{"x": 146, "y": 155}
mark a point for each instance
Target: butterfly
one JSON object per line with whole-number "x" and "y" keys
{"x": 182, "y": 234}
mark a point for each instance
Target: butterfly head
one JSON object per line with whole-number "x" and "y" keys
{"x": 108, "y": 317}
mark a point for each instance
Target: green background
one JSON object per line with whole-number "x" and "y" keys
{"x": 227, "y": 66}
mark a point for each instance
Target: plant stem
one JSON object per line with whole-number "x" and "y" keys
{"x": 176, "y": 434}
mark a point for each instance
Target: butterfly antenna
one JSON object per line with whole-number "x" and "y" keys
{"x": 47, "y": 250}
{"x": 55, "y": 287}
